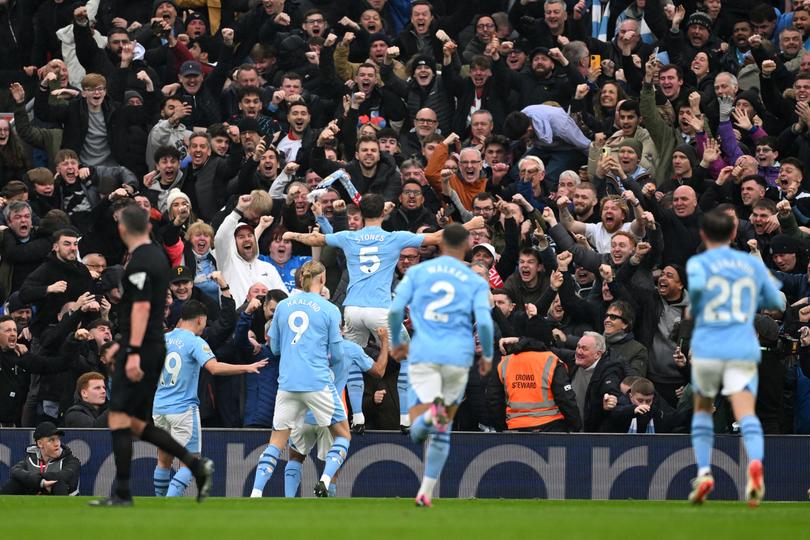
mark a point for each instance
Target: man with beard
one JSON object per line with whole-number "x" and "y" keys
{"x": 585, "y": 202}
{"x": 237, "y": 255}
{"x": 61, "y": 278}
{"x": 250, "y": 103}
{"x": 614, "y": 213}
{"x": 411, "y": 213}
{"x": 206, "y": 175}
{"x": 551, "y": 78}
{"x": 300, "y": 138}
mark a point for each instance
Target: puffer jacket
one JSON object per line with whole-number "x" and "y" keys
{"x": 31, "y": 471}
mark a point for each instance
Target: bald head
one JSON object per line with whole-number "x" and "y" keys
{"x": 684, "y": 201}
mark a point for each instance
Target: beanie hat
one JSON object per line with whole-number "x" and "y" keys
{"x": 379, "y": 36}
{"x": 701, "y": 19}
{"x": 423, "y": 60}
{"x": 783, "y": 243}
{"x": 129, "y": 94}
{"x": 689, "y": 151}
{"x": 635, "y": 144}
{"x": 175, "y": 194}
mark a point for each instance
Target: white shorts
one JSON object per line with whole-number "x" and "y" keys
{"x": 305, "y": 436}
{"x": 734, "y": 375}
{"x": 429, "y": 381}
{"x": 291, "y": 407}
{"x": 184, "y": 428}
{"x": 362, "y": 321}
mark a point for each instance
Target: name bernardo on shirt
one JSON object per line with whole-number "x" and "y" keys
{"x": 731, "y": 264}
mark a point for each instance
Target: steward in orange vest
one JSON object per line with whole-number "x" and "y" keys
{"x": 531, "y": 391}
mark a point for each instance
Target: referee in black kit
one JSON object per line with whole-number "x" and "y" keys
{"x": 140, "y": 359}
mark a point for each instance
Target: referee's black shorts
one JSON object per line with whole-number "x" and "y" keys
{"x": 136, "y": 398}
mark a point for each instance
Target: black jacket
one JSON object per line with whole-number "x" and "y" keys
{"x": 27, "y": 475}
{"x": 34, "y": 289}
{"x": 15, "y": 376}
{"x": 564, "y": 396}
{"x": 606, "y": 378}
{"x": 85, "y": 415}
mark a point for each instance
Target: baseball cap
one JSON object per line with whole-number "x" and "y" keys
{"x": 487, "y": 246}
{"x": 181, "y": 273}
{"x": 47, "y": 429}
{"x": 190, "y": 67}
{"x": 249, "y": 124}
{"x": 241, "y": 226}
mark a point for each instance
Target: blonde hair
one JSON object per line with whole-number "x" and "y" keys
{"x": 308, "y": 272}
{"x": 200, "y": 227}
{"x": 261, "y": 204}
{"x": 92, "y": 80}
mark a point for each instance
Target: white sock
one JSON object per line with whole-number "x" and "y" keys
{"x": 256, "y": 494}
{"x": 358, "y": 418}
{"x": 404, "y": 420}
{"x": 704, "y": 470}
{"x": 326, "y": 480}
{"x": 427, "y": 486}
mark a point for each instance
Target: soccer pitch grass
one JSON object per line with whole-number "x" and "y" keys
{"x": 449, "y": 519}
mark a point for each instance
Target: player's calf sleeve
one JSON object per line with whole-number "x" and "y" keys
{"x": 402, "y": 391}
{"x": 164, "y": 441}
{"x": 267, "y": 464}
{"x": 179, "y": 483}
{"x": 753, "y": 437}
{"x": 335, "y": 458}
{"x": 161, "y": 480}
{"x": 122, "y": 449}
{"x": 437, "y": 451}
{"x": 292, "y": 478}
{"x": 355, "y": 387}
{"x": 420, "y": 430}
{"x": 702, "y": 439}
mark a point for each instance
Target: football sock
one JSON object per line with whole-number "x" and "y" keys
{"x": 333, "y": 490}
{"x": 292, "y": 478}
{"x": 161, "y": 480}
{"x": 354, "y": 387}
{"x": 437, "y": 451}
{"x": 402, "y": 391}
{"x": 180, "y": 482}
{"x": 420, "y": 429}
{"x": 164, "y": 441}
{"x": 752, "y": 437}
{"x": 122, "y": 449}
{"x": 267, "y": 463}
{"x": 334, "y": 459}
{"x": 703, "y": 440}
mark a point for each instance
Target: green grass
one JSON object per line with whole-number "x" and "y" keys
{"x": 385, "y": 519}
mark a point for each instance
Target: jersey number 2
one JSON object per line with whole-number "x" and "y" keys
{"x": 432, "y": 309}
{"x": 716, "y": 309}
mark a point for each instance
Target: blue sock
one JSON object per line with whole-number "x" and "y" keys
{"x": 267, "y": 464}
{"x": 179, "y": 483}
{"x": 354, "y": 387}
{"x": 420, "y": 430}
{"x": 702, "y": 439}
{"x": 335, "y": 458}
{"x": 333, "y": 490}
{"x": 437, "y": 451}
{"x": 402, "y": 388}
{"x": 752, "y": 437}
{"x": 161, "y": 480}
{"x": 292, "y": 478}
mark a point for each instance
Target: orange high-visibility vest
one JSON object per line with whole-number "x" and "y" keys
{"x": 526, "y": 379}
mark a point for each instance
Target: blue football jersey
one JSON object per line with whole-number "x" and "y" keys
{"x": 371, "y": 257}
{"x": 444, "y": 296}
{"x": 726, "y": 287}
{"x": 177, "y": 386}
{"x": 352, "y": 354}
{"x": 304, "y": 327}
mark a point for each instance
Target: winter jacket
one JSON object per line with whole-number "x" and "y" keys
{"x": 28, "y": 474}
{"x": 207, "y": 185}
{"x": 435, "y": 96}
{"x": 632, "y": 354}
{"x": 607, "y": 376}
{"x": 15, "y": 377}
{"x": 86, "y": 415}
{"x": 260, "y": 388}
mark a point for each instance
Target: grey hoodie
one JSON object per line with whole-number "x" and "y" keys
{"x": 661, "y": 366}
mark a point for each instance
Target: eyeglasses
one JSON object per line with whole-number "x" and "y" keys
{"x": 483, "y": 208}
{"x": 96, "y": 90}
{"x": 425, "y": 121}
{"x": 409, "y": 257}
{"x": 614, "y": 317}
{"x": 314, "y": 21}
{"x": 468, "y": 163}
{"x": 482, "y": 26}
{"x": 411, "y": 192}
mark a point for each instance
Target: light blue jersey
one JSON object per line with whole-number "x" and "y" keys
{"x": 353, "y": 354}
{"x": 304, "y": 332}
{"x": 371, "y": 256}
{"x": 444, "y": 295}
{"x": 177, "y": 387}
{"x": 726, "y": 287}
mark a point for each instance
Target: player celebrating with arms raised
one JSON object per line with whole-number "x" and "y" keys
{"x": 306, "y": 333}
{"x": 443, "y": 295}
{"x": 725, "y": 288}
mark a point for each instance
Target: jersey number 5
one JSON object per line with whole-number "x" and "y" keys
{"x": 432, "y": 309}
{"x": 298, "y": 321}
{"x": 717, "y": 309}
{"x": 369, "y": 261}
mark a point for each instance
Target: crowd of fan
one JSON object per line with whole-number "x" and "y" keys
{"x": 590, "y": 136}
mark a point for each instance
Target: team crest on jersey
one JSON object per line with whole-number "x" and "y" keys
{"x": 138, "y": 279}
{"x": 206, "y": 348}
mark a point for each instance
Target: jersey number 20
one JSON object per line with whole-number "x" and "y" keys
{"x": 432, "y": 309}
{"x": 718, "y": 309}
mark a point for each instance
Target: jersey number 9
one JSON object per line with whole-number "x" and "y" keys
{"x": 298, "y": 322}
